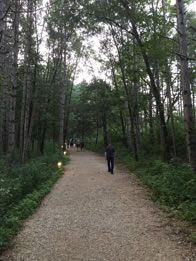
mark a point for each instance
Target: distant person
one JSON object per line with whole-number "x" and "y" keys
{"x": 77, "y": 144}
{"x": 82, "y": 145}
{"x": 109, "y": 156}
{"x": 71, "y": 143}
{"x": 68, "y": 144}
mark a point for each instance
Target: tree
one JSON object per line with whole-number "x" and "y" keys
{"x": 188, "y": 112}
{"x": 26, "y": 113}
{"x": 14, "y": 81}
{"x": 62, "y": 24}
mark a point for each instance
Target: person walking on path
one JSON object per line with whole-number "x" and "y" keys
{"x": 77, "y": 144}
{"x": 71, "y": 143}
{"x": 109, "y": 156}
{"x": 82, "y": 145}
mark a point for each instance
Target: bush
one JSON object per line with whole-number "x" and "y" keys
{"x": 22, "y": 186}
{"x": 174, "y": 185}
{"x": 12, "y": 220}
{"x": 99, "y": 147}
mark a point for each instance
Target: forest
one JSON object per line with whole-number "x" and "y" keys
{"x": 145, "y": 104}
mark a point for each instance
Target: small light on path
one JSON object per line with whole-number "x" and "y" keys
{"x": 59, "y": 164}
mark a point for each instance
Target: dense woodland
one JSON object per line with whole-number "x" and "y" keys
{"x": 147, "y": 50}
{"x": 145, "y": 104}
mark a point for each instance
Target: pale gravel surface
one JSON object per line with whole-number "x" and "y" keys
{"x": 93, "y": 215}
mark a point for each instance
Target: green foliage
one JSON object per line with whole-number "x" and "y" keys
{"x": 193, "y": 237}
{"x": 99, "y": 148}
{"x": 21, "y": 189}
{"x": 90, "y": 104}
{"x": 173, "y": 184}
{"x": 180, "y": 137}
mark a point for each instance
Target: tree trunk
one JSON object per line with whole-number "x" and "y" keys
{"x": 27, "y": 87}
{"x": 122, "y": 124}
{"x": 62, "y": 99}
{"x": 188, "y": 112}
{"x": 97, "y": 131}
{"x": 169, "y": 85}
{"x": 151, "y": 130}
{"x": 129, "y": 140}
{"x": 12, "y": 93}
{"x": 193, "y": 98}
{"x": 2, "y": 70}
{"x": 135, "y": 99}
{"x": 2, "y": 22}
{"x": 5, "y": 83}
{"x": 4, "y": 107}
{"x": 118, "y": 96}
{"x": 130, "y": 110}
{"x": 68, "y": 111}
{"x": 105, "y": 133}
{"x": 156, "y": 93}
{"x": 43, "y": 135}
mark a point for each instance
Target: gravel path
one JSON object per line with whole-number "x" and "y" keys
{"x": 93, "y": 215}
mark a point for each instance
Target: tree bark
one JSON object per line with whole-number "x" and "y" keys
{"x": 188, "y": 111}
{"x": 2, "y": 23}
{"x": 135, "y": 98}
{"x": 27, "y": 86}
{"x": 156, "y": 93}
{"x": 2, "y": 63}
{"x": 118, "y": 96}
{"x": 105, "y": 133}
{"x": 169, "y": 86}
{"x": 62, "y": 94}
{"x": 12, "y": 93}
{"x": 129, "y": 140}
{"x": 130, "y": 110}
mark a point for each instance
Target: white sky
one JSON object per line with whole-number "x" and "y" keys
{"x": 91, "y": 68}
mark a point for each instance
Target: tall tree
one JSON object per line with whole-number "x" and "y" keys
{"x": 13, "y": 85}
{"x": 188, "y": 111}
{"x": 62, "y": 28}
{"x": 26, "y": 108}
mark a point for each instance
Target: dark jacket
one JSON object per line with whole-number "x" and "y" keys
{"x": 109, "y": 150}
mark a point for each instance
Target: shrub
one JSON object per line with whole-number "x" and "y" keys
{"x": 20, "y": 180}
{"x": 21, "y": 188}
{"x": 12, "y": 220}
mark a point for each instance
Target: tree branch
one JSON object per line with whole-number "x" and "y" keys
{"x": 6, "y": 12}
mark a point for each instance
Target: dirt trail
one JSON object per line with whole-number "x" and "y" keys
{"x": 93, "y": 215}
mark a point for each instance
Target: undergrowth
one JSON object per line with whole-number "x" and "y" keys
{"x": 22, "y": 186}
